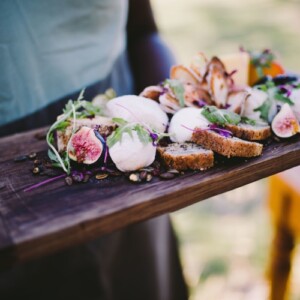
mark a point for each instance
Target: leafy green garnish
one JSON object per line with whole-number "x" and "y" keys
{"x": 283, "y": 99}
{"x": 63, "y": 161}
{"x": 87, "y": 109}
{"x": 90, "y": 109}
{"x": 143, "y": 134}
{"x": 248, "y": 121}
{"x": 119, "y": 121}
{"x": 264, "y": 109}
{"x": 177, "y": 88}
{"x": 267, "y": 86}
{"x": 117, "y": 135}
{"x": 63, "y": 125}
{"x": 220, "y": 116}
{"x": 261, "y": 60}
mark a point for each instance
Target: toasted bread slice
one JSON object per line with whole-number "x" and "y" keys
{"x": 250, "y": 132}
{"x": 227, "y": 146}
{"x": 106, "y": 127}
{"x": 184, "y": 156}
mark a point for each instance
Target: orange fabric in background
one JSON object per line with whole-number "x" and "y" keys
{"x": 279, "y": 191}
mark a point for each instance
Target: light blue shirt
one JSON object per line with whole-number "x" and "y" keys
{"x": 51, "y": 48}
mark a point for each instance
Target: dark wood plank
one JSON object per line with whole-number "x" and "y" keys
{"x": 56, "y": 216}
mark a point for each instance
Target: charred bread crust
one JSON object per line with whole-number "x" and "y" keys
{"x": 184, "y": 156}
{"x": 250, "y": 132}
{"x": 226, "y": 146}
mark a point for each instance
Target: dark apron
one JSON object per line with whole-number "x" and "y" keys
{"x": 139, "y": 262}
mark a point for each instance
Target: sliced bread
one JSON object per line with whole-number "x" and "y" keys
{"x": 227, "y": 146}
{"x": 184, "y": 156}
{"x": 250, "y": 132}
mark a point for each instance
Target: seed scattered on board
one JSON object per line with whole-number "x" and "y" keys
{"x": 101, "y": 176}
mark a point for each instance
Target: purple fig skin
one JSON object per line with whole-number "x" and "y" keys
{"x": 85, "y": 146}
{"x": 285, "y": 124}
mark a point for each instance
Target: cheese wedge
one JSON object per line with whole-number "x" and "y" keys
{"x": 237, "y": 61}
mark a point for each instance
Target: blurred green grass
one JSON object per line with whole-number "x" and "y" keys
{"x": 224, "y": 241}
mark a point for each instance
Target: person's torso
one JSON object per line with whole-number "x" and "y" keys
{"x": 51, "y": 48}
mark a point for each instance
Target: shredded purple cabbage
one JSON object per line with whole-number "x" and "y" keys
{"x": 221, "y": 131}
{"x": 77, "y": 175}
{"x": 200, "y": 103}
{"x": 213, "y": 127}
{"x": 285, "y": 89}
{"x": 154, "y": 138}
{"x": 32, "y": 187}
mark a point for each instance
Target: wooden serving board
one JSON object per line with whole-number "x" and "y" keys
{"x": 56, "y": 216}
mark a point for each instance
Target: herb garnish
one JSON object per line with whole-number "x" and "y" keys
{"x": 264, "y": 109}
{"x": 177, "y": 89}
{"x": 126, "y": 127}
{"x": 261, "y": 60}
{"x": 145, "y": 134}
{"x": 248, "y": 121}
{"x": 275, "y": 93}
{"x": 220, "y": 116}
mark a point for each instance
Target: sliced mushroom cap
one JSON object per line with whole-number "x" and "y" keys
{"x": 184, "y": 75}
{"x": 169, "y": 103}
{"x": 236, "y": 101}
{"x": 199, "y": 64}
{"x": 152, "y": 92}
{"x": 196, "y": 96}
{"x": 218, "y": 85}
{"x": 216, "y": 62}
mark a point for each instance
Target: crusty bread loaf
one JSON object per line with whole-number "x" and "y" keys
{"x": 184, "y": 156}
{"x": 227, "y": 146}
{"x": 250, "y": 132}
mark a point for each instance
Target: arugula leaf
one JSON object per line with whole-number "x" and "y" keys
{"x": 120, "y": 121}
{"x": 248, "y": 121}
{"x": 220, "y": 116}
{"x": 143, "y": 134}
{"x": 117, "y": 135}
{"x": 52, "y": 156}
{"x": 283, "y": 99}
{"x": 177, "y": 88}
{"x": 63, "y": 125}
{"x": 70, "y": 110}
{"x": 265, "y": 87}
{"x": 90, "y": 109}
{"x": 264, "y": 109}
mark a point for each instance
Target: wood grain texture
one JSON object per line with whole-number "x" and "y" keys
{"x": 57, "y": 216}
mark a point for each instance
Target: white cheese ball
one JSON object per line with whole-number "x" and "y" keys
{"x": 131, "y": 154}
{"x": 138, "y": 109}
{"x": 184, "y": 122}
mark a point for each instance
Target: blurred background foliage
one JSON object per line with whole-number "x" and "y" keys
{"x": 224, "y": 241}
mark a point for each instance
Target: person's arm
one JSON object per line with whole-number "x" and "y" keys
{"x": 149, "y": 56}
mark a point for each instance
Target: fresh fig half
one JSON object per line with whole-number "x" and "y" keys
{"x": 285, "y": 124}
{"x": 85, "y": 146}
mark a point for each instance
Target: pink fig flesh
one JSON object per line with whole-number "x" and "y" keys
{"x": 85, "y": 147}
{"x": 285, "y": 124}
